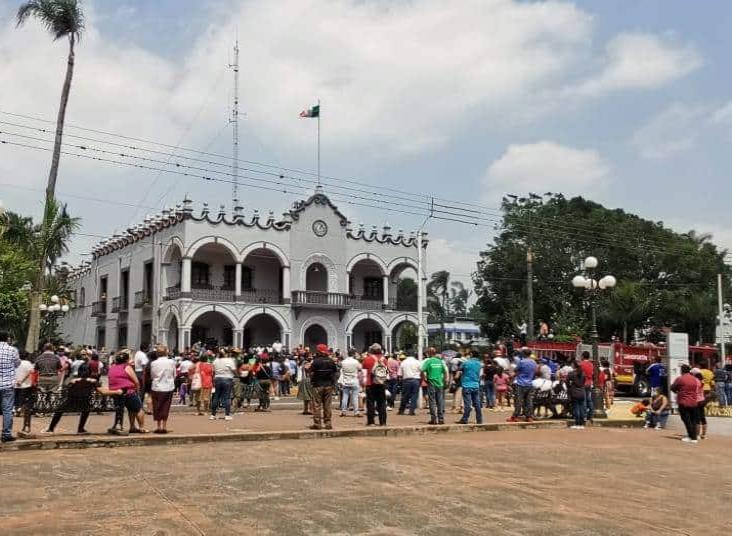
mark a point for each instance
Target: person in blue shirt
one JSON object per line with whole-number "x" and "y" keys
{"x": 469, "y": 376}
{"x": 523, "y": 376}
{"x": 656, "y": 373}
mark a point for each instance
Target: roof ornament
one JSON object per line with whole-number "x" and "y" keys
{"x": 387, "y": 231}
{"x": 187, "y": 205}
{"x": 270, "y": 218}
{"x": 222, "y": 212}
{"x": 204, "y": 210}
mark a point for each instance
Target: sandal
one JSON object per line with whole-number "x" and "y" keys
{"x": 158, "y": 431}
{"x": 138, "y": 431}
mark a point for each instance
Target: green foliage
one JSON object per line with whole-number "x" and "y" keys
{"x": 407, "y": 294}
{"x": 21, "y": 247}
{"x": 664, "y": 278}
{"x": 407, "y": 337}
{"x": 61, "y": 18}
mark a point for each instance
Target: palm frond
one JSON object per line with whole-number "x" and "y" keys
{"x": 61, "y": 18}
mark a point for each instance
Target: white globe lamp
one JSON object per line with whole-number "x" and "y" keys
{"x": 591, "y": 263}
{"x": 578, "y": 281}
{"x": 42, "y": 307}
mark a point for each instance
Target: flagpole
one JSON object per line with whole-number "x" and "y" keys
{"x": 318, "y": 143}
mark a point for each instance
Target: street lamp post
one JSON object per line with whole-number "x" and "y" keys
{"x": 593, "y": 286}
{"x": 55, "y": 307}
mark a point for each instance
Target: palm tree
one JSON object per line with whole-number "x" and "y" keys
{"x": 628, "y": 305}
{"x": 459, "y": 298}
{"x": 49, "y": 241}
{"x": 438, "y": 287}
{"x": 62, "y": 18}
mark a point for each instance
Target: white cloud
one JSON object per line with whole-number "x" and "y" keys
{"x": 640, "y": 61}
{"x": 674, "y": 130}
{"x": 723, "y": 115}
{"x": 544, "y": 166}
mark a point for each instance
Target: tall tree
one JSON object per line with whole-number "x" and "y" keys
{"x": 48, "y": 242}
{"x": 459, "y": 296}
{"x": 438, "y": 293}
{"x": 660, "y": 262}
{"x": 63, "y": 19}
{"x": 629, "y": 305}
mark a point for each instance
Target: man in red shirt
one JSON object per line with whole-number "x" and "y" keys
{"x": 686, "y": 388}
{"x": 375, "y": 391}
{"x": 588, "y": 369}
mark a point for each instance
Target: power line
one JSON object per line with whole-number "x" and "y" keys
{"x": 446, "y": 215}
{"x": 440, "y": 207}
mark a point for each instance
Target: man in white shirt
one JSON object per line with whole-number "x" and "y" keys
{"x": 141, "y": 360}
{"x": 410, "y": 370}
{"x": 349, "y": 384}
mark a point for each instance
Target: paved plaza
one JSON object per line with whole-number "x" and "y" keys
{"x": 597, "y": 481}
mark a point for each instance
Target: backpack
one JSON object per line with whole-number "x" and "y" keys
{"x": 379, "y": 374}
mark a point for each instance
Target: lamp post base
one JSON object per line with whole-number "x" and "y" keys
{"x": 598, "y": 402}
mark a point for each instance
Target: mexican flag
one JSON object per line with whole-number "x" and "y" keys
{"x": 313, "y": 111}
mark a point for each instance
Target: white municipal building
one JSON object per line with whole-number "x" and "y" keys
{"x": 236, "y": 279}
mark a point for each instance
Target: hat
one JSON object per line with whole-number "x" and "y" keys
{"x": 235, "y": 350}
{"x": 402, "y": 355}
{"x": 695, "y": 370}
{"x": 322, "y": 348}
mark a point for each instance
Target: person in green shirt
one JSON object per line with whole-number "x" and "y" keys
{"x": 436, "y": 375}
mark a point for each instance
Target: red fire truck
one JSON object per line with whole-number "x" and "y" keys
{"x": 629, "y": 361}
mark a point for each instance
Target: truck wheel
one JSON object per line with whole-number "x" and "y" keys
{"x": 642, "y": 388}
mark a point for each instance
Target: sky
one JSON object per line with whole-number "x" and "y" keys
{"x": 628, "y": 104}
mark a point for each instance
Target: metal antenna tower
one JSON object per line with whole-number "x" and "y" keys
{"x": 235, "y": 127}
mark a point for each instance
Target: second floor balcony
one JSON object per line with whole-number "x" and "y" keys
{"x": 99, "y": 309}
{"x": 143, "y": 298}
{"x": 226, "y": 294}
{"x": 120, "y": 304}
{"x": 320, "y": 299}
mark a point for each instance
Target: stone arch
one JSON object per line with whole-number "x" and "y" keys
{"x": 369, "y": 257}
{"x": 231, "y": 248}
{"x": 211, "y": 307}
{"x": 323, "y": 259}
{"x": 402, "y": 317}
{"x": 409, "y": 261}
{"x": 171, "y": 312}
{"x": 274, "y": 313}
{"x": 173, "y": 241}
{"x": 284, "y": 261}
{"x": 326, "y": 324}
{"x": 367, "y": 316}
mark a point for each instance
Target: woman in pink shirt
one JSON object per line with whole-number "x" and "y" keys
{"x": 500, "y": 380}
{"x": 122, "y": 376}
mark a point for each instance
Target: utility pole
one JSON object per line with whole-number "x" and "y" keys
{"x": 235, "y": 128}
{"x": 720, "y": 305}
{"x": 530, "y": 292}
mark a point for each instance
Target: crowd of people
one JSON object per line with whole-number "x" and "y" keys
{"x": 215, "y": 380}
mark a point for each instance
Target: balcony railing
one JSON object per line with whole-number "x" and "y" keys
{"x": 119, "y": 304}
{"x": 99, "y": 308}
{"x": 212, "y": 294}
{"x": 142, "y": 299}
{"x": 270, "y": 296}
{"x": 369, "y": 304}
{"x": 313, "y": 298}
{"x": 396, "y": 305}
{"x": 172, "y": 293}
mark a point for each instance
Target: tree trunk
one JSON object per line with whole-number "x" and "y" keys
{"x": 34, "y": 327}
{"x": 34, "y": 324}
{"x": 701, "y": 333}
{"x": 51, "y": 187}
{"x": 625, "y": 333}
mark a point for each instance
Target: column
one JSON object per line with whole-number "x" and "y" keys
{"x": 181, "y": 339}
{"x": 388, "y": 343}
{"x": 286, "y": 342}
{"x": 237, "y": 281}
{"x": 187, "y": 338}
{"x": 185, "y": 277}
{"x": 286, "y": 292}
{"x": 238, "y": 337}
{"x": 386, "y": 291}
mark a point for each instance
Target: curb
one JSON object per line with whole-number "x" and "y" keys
{"x": 74, "y": 442}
